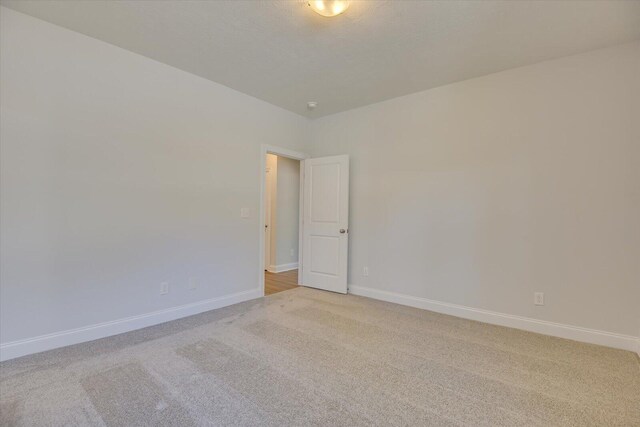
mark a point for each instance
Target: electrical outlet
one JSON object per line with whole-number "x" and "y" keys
{"x": 538, "y": 298}
{"x": 193, "y": 284}
{"x": 365, "y": 271}
{"x": 164, "y": 288}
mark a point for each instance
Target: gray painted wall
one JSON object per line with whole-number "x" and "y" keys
{"x": 119, "y": 173}
{"x": 482, "y": 192}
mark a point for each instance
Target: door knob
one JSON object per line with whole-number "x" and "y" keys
{"x": 342, "y": 231}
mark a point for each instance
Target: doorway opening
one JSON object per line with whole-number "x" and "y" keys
{"x": 321, "y": 257}
{"x": 281, "y": 222}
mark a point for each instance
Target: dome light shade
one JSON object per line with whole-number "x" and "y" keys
{"x": 328, "y": 7}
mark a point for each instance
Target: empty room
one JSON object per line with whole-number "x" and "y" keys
{"x": 319, "y": 212}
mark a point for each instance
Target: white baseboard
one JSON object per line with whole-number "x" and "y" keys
{"x": 27, "y": 346}
{"x": 593, "y": 336}
{"x": 282, "y": 267}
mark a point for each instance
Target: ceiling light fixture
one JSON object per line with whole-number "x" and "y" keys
{"x": 328, "y": 7}
{"x": 311, "y": 105}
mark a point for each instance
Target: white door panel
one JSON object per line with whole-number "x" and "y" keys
{"x": 325, "y": 255}
{"x": 325, "y": 217}
{"x": 325, "y": 191}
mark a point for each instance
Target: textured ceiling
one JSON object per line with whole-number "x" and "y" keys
{"x": 284, "y": 53}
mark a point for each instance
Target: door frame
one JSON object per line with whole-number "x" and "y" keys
{"x": 291, "y": 154}
{"x": 267, "y": 213}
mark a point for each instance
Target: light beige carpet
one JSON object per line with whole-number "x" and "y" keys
{"x": 306, "y": 357}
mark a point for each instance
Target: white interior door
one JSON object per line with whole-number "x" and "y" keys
{"x": 325, "y": 223}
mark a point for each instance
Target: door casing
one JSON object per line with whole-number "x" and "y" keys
{"x": 267, "y": 214}
{"x": 296, "y": 155}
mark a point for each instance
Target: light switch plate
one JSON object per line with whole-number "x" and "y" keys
{"x": 244, "y": 212}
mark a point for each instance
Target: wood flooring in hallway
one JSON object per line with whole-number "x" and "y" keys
{"x": 278, "y": 282}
